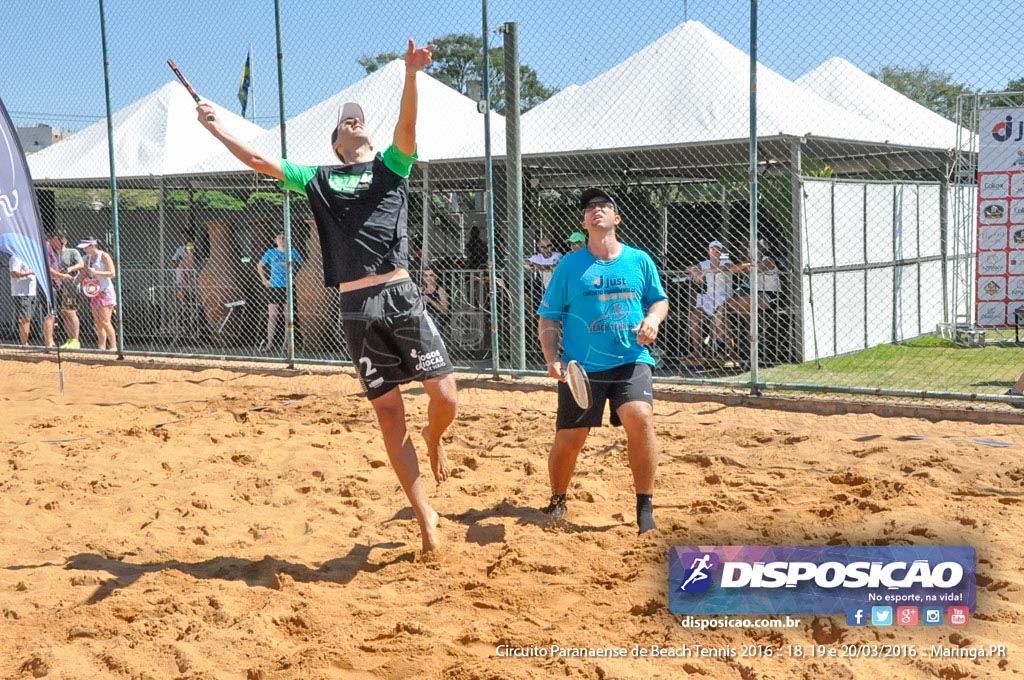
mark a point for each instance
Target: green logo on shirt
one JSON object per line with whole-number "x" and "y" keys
{"x": 351, "y": 185}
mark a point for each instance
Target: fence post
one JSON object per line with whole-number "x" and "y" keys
{"x": 489, "y": 192}
{"x": 755, "y": 254}
{"x": 286, "y": 208}
{"x": 118, "y": 265}
{"x": 514, "y": 194}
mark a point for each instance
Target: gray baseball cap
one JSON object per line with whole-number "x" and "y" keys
{"x": 347, "y": 110}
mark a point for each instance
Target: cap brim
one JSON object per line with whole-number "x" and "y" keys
{"x": 590, "y": 194}
{"x": 351, "y": 110}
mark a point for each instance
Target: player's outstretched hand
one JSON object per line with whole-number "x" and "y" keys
{"x": 417, "y": 59}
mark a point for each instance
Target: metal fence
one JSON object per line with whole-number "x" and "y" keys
{"x": 857, "y": 230}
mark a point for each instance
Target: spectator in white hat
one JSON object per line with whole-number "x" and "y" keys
{"x": 716, "y": 271}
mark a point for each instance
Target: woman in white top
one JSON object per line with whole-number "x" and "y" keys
{"x": 716, "y": 271}
{"x": 100, "y": 266}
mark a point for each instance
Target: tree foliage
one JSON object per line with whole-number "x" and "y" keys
{"x": 459, "y": 61}
{"x": 933, "y": 89}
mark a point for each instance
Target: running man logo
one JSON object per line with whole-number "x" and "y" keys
{"x": 716, "y": 579}
{"x": 697, "y": 577}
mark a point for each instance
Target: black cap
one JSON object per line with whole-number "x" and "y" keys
{"x": 592, "y": 193}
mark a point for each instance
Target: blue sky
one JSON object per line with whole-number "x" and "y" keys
{"x": 53, "y": 70}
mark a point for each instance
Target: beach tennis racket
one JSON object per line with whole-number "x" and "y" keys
{"x": 89, "y": 286}
{"x": 188, "y": 86}
{"x": 579, "y": 384}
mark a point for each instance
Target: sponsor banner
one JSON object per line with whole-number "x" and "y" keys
{"x": 21, "y": 229}
{"x": 827, "y": 580}
{"x": 1000, "y": 211}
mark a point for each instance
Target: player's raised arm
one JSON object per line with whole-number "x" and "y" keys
{"x": 416, "y": 59}
{"x": 239, "y": 149}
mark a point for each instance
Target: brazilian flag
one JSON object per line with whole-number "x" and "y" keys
{"x": 243, "y": 87}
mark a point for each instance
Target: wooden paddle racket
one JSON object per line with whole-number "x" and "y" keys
{"x": 579, "y": 384}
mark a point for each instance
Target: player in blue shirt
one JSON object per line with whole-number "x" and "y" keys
{"x": 604, "y": 305}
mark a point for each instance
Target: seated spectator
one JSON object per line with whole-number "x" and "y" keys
{"x": 769, "y": 289}
{"x": 716, "y": 271}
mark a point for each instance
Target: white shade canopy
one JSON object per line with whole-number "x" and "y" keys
{"x": 689, "y": 86}
{"x": 845, "y": 85}
{"x": 155, "y": 136}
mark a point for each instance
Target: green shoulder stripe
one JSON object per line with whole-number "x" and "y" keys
{"x": 397, "y": 162}
{"x": 296, "y": 176}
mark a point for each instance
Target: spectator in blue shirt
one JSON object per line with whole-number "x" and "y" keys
{"x": 273, "y": 271}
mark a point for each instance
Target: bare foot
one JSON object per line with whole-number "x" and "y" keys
{"x": 431, "y": 533}
{"x": 435, "y": 451}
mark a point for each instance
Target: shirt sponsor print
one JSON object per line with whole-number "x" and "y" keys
{"x": 351, "y": 185}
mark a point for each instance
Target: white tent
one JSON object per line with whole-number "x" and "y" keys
{"x": 845, "y": 85}
{"x": 448, "y": 124}
{"x": 689, "y": 86}
{"x": 155, "y": 136}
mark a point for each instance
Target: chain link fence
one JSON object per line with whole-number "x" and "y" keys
{"x": 870, "y": 259}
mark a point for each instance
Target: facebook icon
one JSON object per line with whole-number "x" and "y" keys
{"x": 855, "y": 616}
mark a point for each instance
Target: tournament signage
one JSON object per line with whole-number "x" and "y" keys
{"x": 827, "y": 580}
{"x": 21, "y": 230}
{"x": 999, "y": 267}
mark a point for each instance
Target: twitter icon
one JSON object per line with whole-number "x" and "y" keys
{"x": 881, "y": 616}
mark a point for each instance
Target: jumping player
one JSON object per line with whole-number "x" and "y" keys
{"x": 361, "y": 213}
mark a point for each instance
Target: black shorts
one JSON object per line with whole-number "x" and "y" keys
{"x": 391, "y": 337}
{"x": 619, "y": 386}
{"x": 70, "y": 296}
{"x": 277, "y": 296}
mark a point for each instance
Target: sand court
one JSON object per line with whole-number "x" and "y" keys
{"x": 165, "y": 522}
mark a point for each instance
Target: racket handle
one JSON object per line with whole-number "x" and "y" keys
{"x": 210, "y": 116}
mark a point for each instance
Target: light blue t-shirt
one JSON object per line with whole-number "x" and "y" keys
{"x": 599, "y": 303}
{"x": 275, "y": 259}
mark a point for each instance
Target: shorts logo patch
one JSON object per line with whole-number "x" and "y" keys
{"x": 429, "y": 361}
